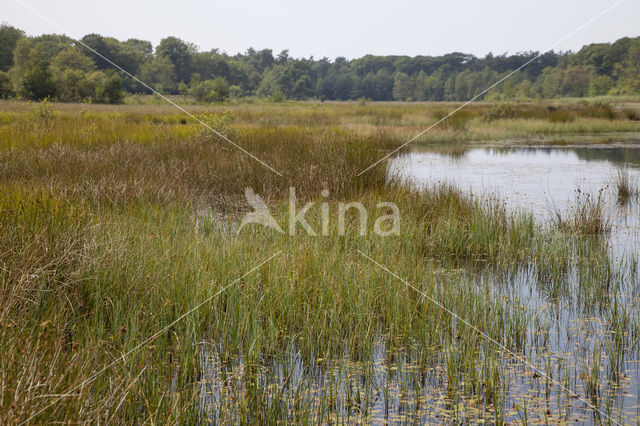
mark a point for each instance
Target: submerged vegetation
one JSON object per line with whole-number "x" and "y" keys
{"x": 116, "y": 221}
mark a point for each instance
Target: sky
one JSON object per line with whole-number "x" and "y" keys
{"x": 333, "y": 28}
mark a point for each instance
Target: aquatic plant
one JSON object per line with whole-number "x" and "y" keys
{"x": 626, "y": 189}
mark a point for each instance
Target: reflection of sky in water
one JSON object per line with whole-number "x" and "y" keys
{"x": 545, "y": 181}
{"x": 540, "y": 180}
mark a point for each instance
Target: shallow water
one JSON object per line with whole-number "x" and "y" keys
{"x": 547, "y": 181}
{"x": 544, "y": 181}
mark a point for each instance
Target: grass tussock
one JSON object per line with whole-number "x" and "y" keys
{"x": 626, "y": 186}
{"x": 587, "y": 217}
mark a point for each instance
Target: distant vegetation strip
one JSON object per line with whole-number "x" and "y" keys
{"x": 56, "y": 67}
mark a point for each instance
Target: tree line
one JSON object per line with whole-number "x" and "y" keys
{"x": 57, "y": 67}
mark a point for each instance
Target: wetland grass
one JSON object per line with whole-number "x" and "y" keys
{"x": 587, "y": 217}
{"x": 626, "y": 187}
{"x": 109, "y": 239}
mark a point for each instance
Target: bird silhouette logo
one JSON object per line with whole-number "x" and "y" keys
{"x": 260, "y": 214}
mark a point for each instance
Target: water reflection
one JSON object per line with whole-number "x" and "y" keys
{"x": 536, "y": 179}
{"x": 547, "y": 181}
{"x": 542, "y": 180}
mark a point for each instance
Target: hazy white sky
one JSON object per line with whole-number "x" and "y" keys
{"x": 332, "y": 28}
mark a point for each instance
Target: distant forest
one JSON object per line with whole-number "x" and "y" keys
{"x": 56, "y": 67}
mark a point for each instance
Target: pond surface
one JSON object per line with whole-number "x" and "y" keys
{"x": 545, "y": 181}
{"x": 542, "y": 180}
